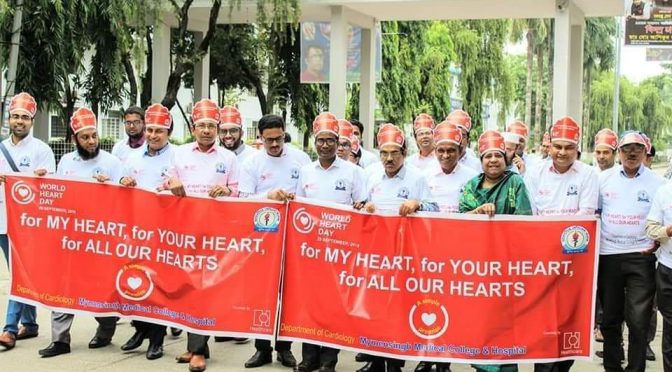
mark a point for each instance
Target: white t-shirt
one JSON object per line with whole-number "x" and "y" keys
{"x": 368, "y": 158}
{"x": 423, "y": 162}
{"x": 625, "y": 203}
{"x": 388, "y": 194}
{"x": 661, "y": 212}
{"x": 29, "y": 155}
{"x": 343, "y": 182}
{"x": 73, "y": 166}
{"x": 262, "y": 173}
{"x": 472, "y": 161}
{"x": 200, "y": 171}
{"x": 149, "y": 172}
{"x": 574, "y": 192}
{"x": 446, "y": 189}
{"x": 122, "y": 150}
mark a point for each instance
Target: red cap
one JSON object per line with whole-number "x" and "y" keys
{"x": 345, "y": 129}
{"x": 547, "y": 138}
{"x": 606, "y": 137}
{"x": 447, "y": 132}
{"x": 423, "y": 121}
{"x": 566, "y": 129}
{"x": 229, "y": 116}
{"x": 23, "y": 102}
{"x": 460, "y": 118}
{"x": 325, "y": 122}
{"x": 158, "y": 116}
{"x": 519, "y": 128}
{"x": 82, "y": 119}
{"x": 631, "y": 137}
{"x": 491, "y": 140}
{"x": 390, "y": 134}
{"x": 205, "y": 110}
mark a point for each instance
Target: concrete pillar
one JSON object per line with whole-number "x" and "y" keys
{"x": 338, "y": 54}
{"x": 160, "y": 60}
{"x": 202, "y": 73}
{"x": 367, "y": 81}
{"x": 568, "y": 63}
{"x": 41, "y": 124}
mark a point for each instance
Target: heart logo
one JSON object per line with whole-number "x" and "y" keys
{"x": 134, "y": 282}
{"x": 23, "y": 192}
{"x": 304, "y": 220}
{"x": 428, "y": 318}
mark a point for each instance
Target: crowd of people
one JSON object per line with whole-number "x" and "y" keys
{"x": 446, "y": 176}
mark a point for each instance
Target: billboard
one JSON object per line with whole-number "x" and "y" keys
{"x": 648, "y": 22}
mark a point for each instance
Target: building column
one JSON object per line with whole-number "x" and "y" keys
{"x": 160, "y": 60}
{"x": 568, "y": 62}
{"x": 338, "y": 54}
{"x": 367, "y": 87}
{"x": 202, "y": 73}
{"x": 41, "y": 124}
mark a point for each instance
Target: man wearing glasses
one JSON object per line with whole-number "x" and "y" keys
{"x": 231, "y": 133}
{"x": 134, "y": 125}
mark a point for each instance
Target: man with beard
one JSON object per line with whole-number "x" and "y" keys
{"x": 462, "y": 120}
{"x": 87, "y": 162}
{"x": 148, "y": 170}
{"x": 512, "y": 145}
{"x": 345, "y": 134}
{"x": 25, "y": 154}
{"x": 134, "y": 125}
{"x": 545, "y": 146}
{"x": 272, "y": 173}
{"x": 332, "y": 179}
{"x": 627, "y": 267}
{"x": 562, "y": 187}
{"x": 528, "y": 161}
{"x": 202, "y": 168}
{"x": 368, "y": 157}
{"x": 231, "y": 133}
{"x": 423, "y": 127}
{"x": 605, "y": 149}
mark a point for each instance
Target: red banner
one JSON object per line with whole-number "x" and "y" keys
{"x": 461, "y": 289}
{"x": 208, "y": 266}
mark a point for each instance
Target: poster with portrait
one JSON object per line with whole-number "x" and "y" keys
{"x": 648, "y": 22}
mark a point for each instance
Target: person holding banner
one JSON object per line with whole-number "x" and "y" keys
{"x": 148, "y": 171}
{"x": 423, "y": 128}
{"x": 87, "y": 162}
{"x": 202, "y": 169}
{"x": 21, "y": 152}
{"x": 495, "y": 191}
{"x": 562, "y": 187}
{"x": 272, "y": 173}
{"x": 463, "y": 121}
{"x": 134, "y": 125}
{"x": 335, "y": 180}
{"x": 626, "y": 270}
{"x": 231, "y": 133}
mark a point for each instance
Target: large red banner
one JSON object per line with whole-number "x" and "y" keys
{"x": 208, "y": 266}
{"x": 460, "y": 288}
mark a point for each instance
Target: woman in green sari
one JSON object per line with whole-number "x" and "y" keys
{"x": 495, "y": 191}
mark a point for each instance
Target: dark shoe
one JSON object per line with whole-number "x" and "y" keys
{"x": 54, "y": 349}
{"x": 424, "y": 367}
{"x": 154, "y": 352}
{"x": 134, "y": 342}
{"x": 197, "y": 363}
{"x": 7, "y": 340}
{"x": 361, "y": 357}
{"x": 186, "y": 357}
{"x": 175, "y": 331}
{"x": 600, "y": 354}
{"x": 443, "y": 367}
{"x": 223, "y": 339}
{"x": 241, "y": 341}
{"x": 98, "y": 342}
{"x": 259, "y": 359}
{"x": 286, "y": 358}
{"x": 374, "y": 366}
{"x": 25, "y": 334}
{"x": 327, "y": 369}
{"x": 306, "y": 367}
{"x": 393, "y": 368}
{"x": 650, "y": 355}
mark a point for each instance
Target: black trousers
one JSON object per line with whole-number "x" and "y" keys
{"x": 265, "y": 345}
{"x": 319, "y": 355}
{"x": 198, "y": 344}
{"x": 563, "y": 366}
{"x": 664, "y": 296}
{"x": 389, "y": 361}
{"x": 154, "y": 332}
{"x": 626, "y": 284}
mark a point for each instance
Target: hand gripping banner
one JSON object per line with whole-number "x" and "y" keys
{"x": 208, "y": 266}
{"x": 462, "y": 288}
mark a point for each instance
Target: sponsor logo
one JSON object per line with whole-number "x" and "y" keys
{"x": 643, "y": 196}
{"x": 134, "y": 282}
{"x": 303, "y": 221}
{"x": 221, "y": 168}
{"x": 571, "y": 341}
{"x": 340, "y": 185}
{"x": 25, "y": 162}
{"x": 261, "y": 318}
{"x": 403, "y": 193}
{"x": 22, "y": 193}
{"x": 267, "y": 219}
{"x": 428, "y": 319}
{"x": 295, "y": 173}
{"x": 575, "y": 239}
{"x": 572, "y": 190}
